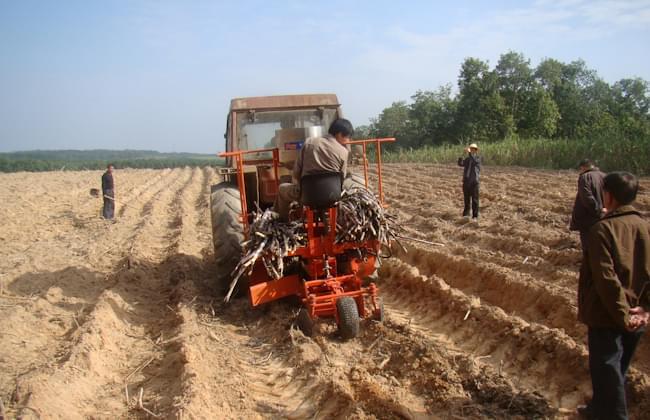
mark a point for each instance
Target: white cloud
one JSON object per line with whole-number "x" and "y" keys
{"x": 545, "y": 23}
{"x": 403, "y": 60}
{"x": 616, "y": 12}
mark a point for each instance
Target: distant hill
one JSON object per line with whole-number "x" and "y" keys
{"x": 47, "y": 160}
{"x": 100, "y": 154}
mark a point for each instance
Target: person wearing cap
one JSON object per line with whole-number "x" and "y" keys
{"x": 614, "y": 294}
{"x": 471, "y": 174}
{"x": 588, "y": 207}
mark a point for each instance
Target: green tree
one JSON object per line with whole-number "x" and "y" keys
{"x": 631, "y": 96}
{"x": 361, "y": 132}
{"x": 393, "y": 122}
{"x": 549, "y": 74}
{"x": 432, "y": 116}
{"x": 572, "y": 99}
{"x": 482, "y": 114}
{"x": 630, "y": 106}
{"x": 540, "y": 114}
{"x": 515, "y": 78}
{"x": 554, "y": 100}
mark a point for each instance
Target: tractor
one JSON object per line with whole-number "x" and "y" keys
{"x": 331, "y": 280}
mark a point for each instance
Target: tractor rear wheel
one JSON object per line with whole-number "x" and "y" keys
{"x": 227, "y": 234}
{"x": 348, "y": 312}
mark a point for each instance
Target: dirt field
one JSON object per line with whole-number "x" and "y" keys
{"x": 103, "y": 320}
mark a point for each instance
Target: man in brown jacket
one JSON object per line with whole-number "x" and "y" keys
{"x": 588, "y": 207}
{"x": 614, "y": 294}
{"x": 318, "y": 155}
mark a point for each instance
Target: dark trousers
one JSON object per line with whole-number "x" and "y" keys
{"x": 583, "y": 240}
{"x": 470, "y": 194}
{"x": 108, "y": 211}
{"x": 610, "y": 353}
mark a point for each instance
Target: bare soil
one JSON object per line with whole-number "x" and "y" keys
{"x": 116, "y": 320}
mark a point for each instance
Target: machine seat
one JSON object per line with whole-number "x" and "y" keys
{"x": 321, "y": 191}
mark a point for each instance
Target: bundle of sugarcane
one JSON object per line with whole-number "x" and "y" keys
{"x": 360, "y": 216}
{"x": 270, "y": 239}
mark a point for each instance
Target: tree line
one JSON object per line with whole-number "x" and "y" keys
{"x": 554, "y": 100}
{"x": 32, "y": 165}
{"x": 73, "y": 160}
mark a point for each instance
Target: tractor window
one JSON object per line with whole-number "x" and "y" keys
{"x": 257, "y": 130}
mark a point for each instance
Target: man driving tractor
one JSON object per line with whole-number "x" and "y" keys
{"x": 318, "y": 155}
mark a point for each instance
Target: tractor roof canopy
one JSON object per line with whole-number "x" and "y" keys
{"x": 259, "y": 103}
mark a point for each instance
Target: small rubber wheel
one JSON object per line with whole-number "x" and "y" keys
{"x": 348, "y": 317}
{"x": 378, "y": 314}
{"x": 304, "y": 322}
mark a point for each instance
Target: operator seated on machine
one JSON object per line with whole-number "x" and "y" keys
{"x": 318, "y": 155}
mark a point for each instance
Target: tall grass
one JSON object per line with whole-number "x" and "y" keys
{"x": 622, "y": 154}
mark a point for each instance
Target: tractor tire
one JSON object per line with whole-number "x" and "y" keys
{"x": 348, "y": 312}
{"x": 305, "y": 323}
{"x": 227, "y": 235}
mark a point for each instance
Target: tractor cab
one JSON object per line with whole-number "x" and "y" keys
{"x": 261, "y": 124}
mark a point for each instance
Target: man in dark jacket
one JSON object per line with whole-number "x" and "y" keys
{"x": 471, "y": 174}
{"x": 614, "y": 294}
{"x": 108, "y": 190}
{"x": 588, "y": 207}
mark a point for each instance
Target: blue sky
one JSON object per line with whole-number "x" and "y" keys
{"x": 159, "y": 74}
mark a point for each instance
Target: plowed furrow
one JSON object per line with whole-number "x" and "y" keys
{"x": 191, "y": 241}
{"x": 532, "y": 355}
{"x": 515, "y": 293}
{"x": 202, "y": 203}
{"x": 135, "y": 312}
{"x": 54, "y": 304}
{"x": 127, "y": 340}
{"x": 412, "y": 373}
{"x": 138, "y": 189}
{"x": 142, "y": 199}
{"x": 502, "y": 221}
{"x": 562, "y": 278}
{"x": 120, "y": 238}
{"x": 518, "y": 248}
{"x": 156, "y": 234}
{"x": 233, "y": 367}
{"x": 444, "y": 182}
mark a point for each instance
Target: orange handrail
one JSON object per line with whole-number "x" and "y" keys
{"x": 241, "y": 183}
{"x": 239, "y": 159}
{"x": 378, "y": 142}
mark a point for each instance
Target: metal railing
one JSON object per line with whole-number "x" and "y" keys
{"x": 238, "y": 155}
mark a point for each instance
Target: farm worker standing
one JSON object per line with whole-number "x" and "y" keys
{"x": 108, "y": 190}
{"x": 318, "y": 155}
{"x": 588, "y": 207}
{"x": 614, "y": 294}
{"x": 471, "y": 174}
